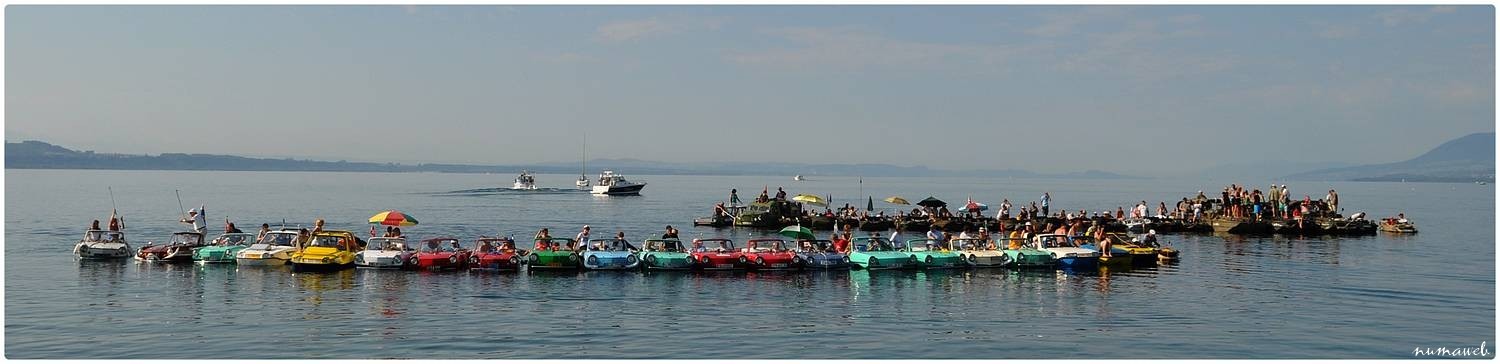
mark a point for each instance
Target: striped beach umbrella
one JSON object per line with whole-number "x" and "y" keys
{"x": 393, "y": 218}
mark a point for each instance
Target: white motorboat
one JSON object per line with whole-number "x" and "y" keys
{"x": 614, "y": 184}
{"x": 525, "y": 181}
{"x": 102, "y": 244}
{"x": 798, "y": 178}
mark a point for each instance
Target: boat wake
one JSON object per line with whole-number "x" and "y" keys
{"x": 506, "y": 191}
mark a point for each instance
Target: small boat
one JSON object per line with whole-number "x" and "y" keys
{"x": 1118, "y": 256}
{"x": 978, "y": 253}
{"x": 1067, "y": 255}
{"x": 583, "y": 169}
{"x": 1240, "y": 226}
{"x": 102, "y": 244}
{"x": 931, "y": 254}
{"x": 328, "y": 250}
{"x": 819, "y": 254}
{"x": 614, "y": 184}
{"x": 1397, "y": 226}
{"x": 717, "y": 254}
{"x": 525, "y": 181}
{"x": 610, "y": 254}
{"x": 664, "y": 254}
{"x": 553, "y": 253}
{"x": 496, "y": 254}
{"x": 798, "y": 178}
{"x": 385, "y": 253}
{"x": 223, "y": 248}
{"x": 274, "y": 249}
{"x": 441, "y": 253}
{"x": 878, "y": 253}
{"x": 1142, "y": 253}
{"x": 178, "y": 249}
{"x": 770, "y": 254}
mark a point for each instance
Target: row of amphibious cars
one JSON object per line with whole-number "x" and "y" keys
{"x": 336, "y": 250}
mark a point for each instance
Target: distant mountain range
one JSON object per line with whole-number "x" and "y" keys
{"x": 33, "y": 154}
{"x": 1466, "y": 159}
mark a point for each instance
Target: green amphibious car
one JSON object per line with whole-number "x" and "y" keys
{"x": 664, "y": 254}
{"x": 878, "y": 253}
{"x": 554, "y": 253}
{"x": 931, "y": 254}
{"x": 224, "y": 248}
{"x": 1021, "y": 255}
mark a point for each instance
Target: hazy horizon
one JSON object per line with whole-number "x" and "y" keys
{"x": 1173, "y": 89}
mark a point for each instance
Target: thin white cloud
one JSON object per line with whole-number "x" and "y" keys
{"x": 851, "y": 47}
{"x": 631, "y": 30}
{"x": 1411, "y": 15}
{"x": 1064, "y": 23}
{"x": 1338, "y": 31}
{"x": 639, "y": 29}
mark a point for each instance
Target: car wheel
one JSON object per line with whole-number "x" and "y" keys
{"x": 413, "y": 261}
{"x": 743, "y": 261}
{"x": 929, "y": 260}
{"x": 592, "y": 261}
{"x": 760, "y": 262}
{"x": 873, "y": 262}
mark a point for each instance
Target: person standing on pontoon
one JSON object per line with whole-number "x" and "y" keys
{"x": 1046, "y": 202}
{"x": 195, "y": 217}
{"x": 734, "y": 197}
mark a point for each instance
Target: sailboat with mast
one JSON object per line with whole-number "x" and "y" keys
{"x": 583, "y": 173}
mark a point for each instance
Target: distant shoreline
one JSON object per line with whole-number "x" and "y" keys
{"x": 1375, "y": 180}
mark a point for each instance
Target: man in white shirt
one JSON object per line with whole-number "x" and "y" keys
{"x": 195, "y": 217}
{"x": 583, "y": 236}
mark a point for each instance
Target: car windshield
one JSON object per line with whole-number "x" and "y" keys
{"x": 921, "y": 245}
{"x": 234, "y": 239}
{"x": 971, "y": 244}
{"x": 113, "y": 235}
{"x": 1053, "y": 241}
{"x": 495, "y": 244}
{"x": 610, "y": 245}
{"x": 328, "y": 241}
{"x": 815, "y": 246}
{"x": 663, "y": 245}
{"x": 714, "y": 245}
{"x": 280, "y": 238}
{"x": 440, "y": 245}
{"x": 184, "y": 239}
{"x": 875, "y": 244}
{"x": 387, "y": 244}
{"x": 766, "y": 245}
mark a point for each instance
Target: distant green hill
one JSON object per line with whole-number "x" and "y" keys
{"x": 33, "y": 154}
{"x": 1466, "y": 159}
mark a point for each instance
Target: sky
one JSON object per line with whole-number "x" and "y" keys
{"x": 1147, "y": 90}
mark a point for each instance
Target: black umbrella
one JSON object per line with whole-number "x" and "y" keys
{"x": 870, "y": 203}
{"x": 932, "y": 202}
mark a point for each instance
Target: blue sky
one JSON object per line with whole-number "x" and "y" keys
{"x": 1045, "y": 88}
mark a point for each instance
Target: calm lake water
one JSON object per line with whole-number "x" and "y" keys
{"x": 1230, "y": 297}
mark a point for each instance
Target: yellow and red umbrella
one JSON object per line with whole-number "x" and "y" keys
{"x": 393, "y": 218}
